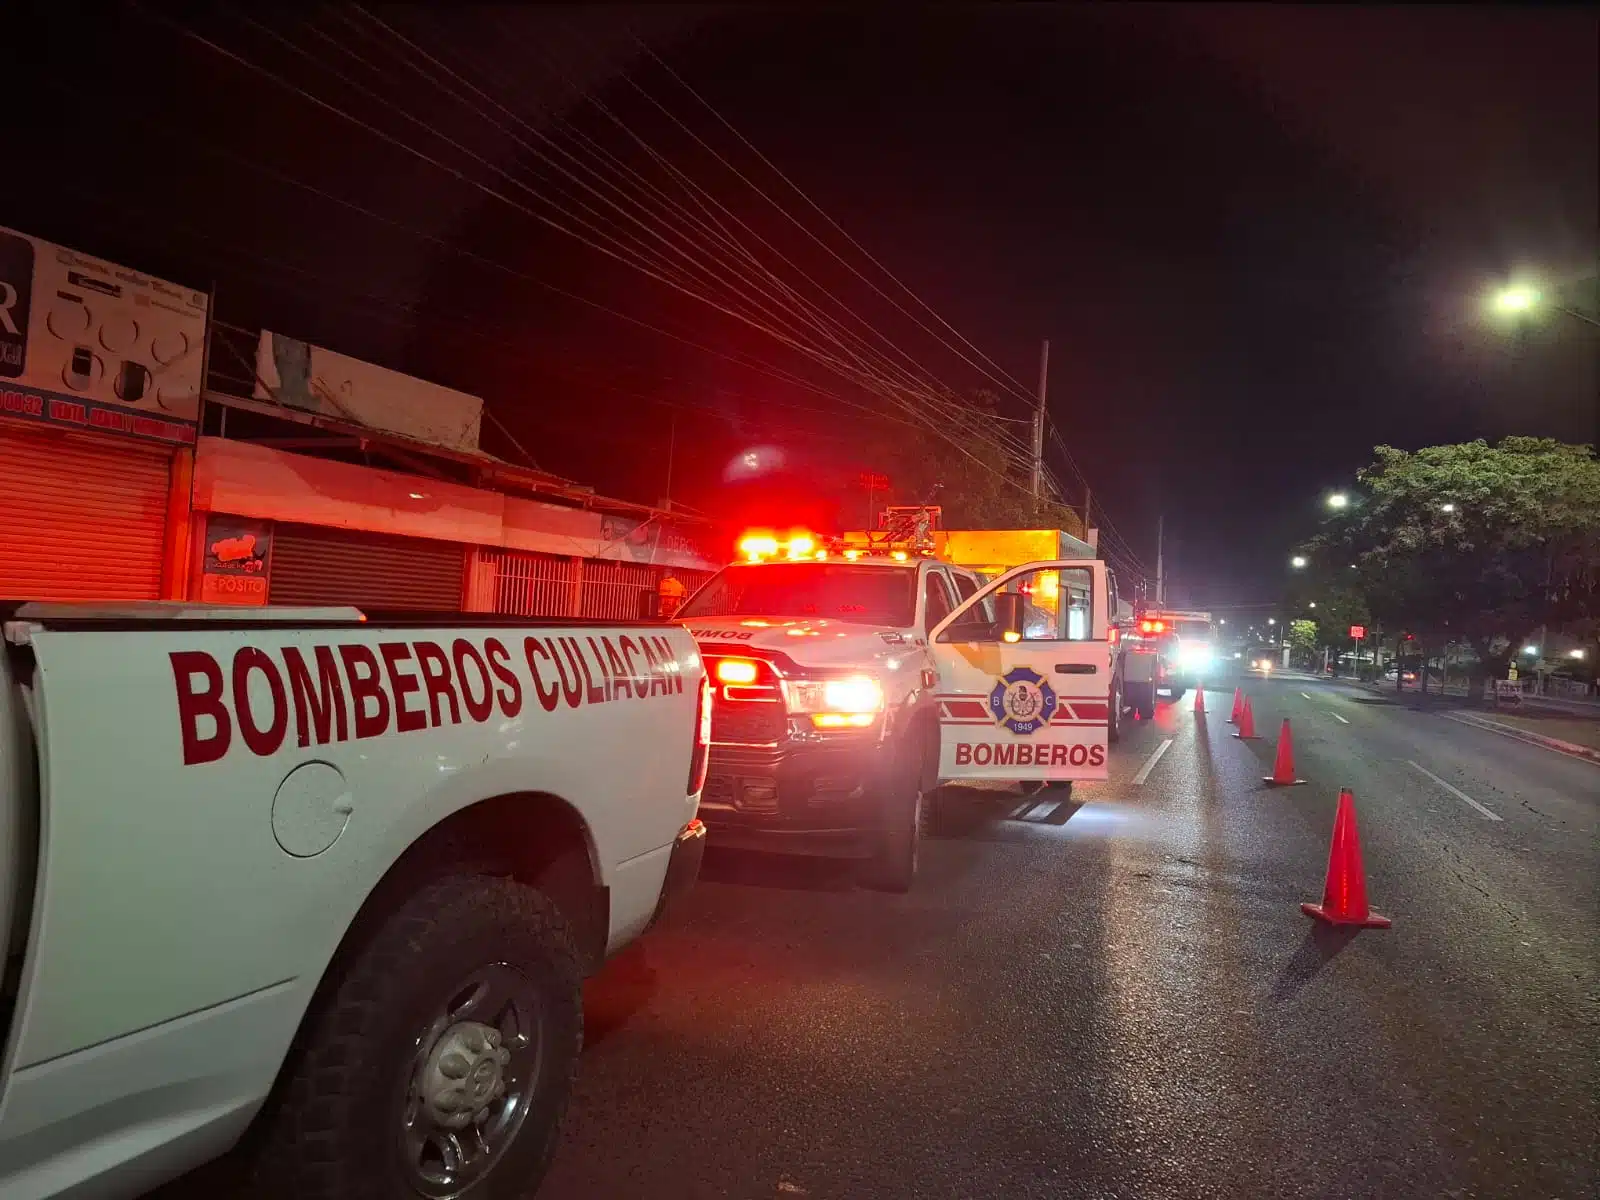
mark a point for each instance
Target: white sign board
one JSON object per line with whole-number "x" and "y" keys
{"x": 84, "y": 342}
{"x": 310, "y": 378}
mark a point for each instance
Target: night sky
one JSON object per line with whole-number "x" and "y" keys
{"x": 1258, "y": 238}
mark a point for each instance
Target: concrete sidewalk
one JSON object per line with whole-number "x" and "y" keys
{"x": 1567, "y": 728}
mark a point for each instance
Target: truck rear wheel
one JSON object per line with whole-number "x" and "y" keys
{"x": 440, "y": 1063}
{"x": 1114, "y": 712}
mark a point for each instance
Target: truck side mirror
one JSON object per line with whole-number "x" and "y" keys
{"x": 1008, "y": 618}
{"x": 649, "y": 605}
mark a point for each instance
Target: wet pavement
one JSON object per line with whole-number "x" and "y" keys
{"x": 1117, "y": 995}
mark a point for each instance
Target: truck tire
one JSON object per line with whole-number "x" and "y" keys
{"x": 1114, "y": 712}
{"x": 1144, "y": 701}
{"x": 893, "y": 865}
{"x": 453, "y": 1029}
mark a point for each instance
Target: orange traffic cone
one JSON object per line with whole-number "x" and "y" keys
{"x": 1344, "y": 895}
{"x": 1199, "y": 702}
{"x": 1247, "y": 723}
{"x": 1283, "y": 769}
{"x": 1238, "y": 706}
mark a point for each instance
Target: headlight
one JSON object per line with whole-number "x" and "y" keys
{"x": 1195, "y": 656}
{"x": 851, "y": 702}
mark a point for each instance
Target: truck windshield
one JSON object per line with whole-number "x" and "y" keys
{"x": 1198, "y": 630}
{"x": 866, "y": 595}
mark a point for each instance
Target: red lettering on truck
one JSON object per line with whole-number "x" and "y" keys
{"x": 435, "y": 664}
{"x": 193, "y": 704}
{"x": 509, "y": 693}
{"x": 402, "y": 684}
{"x": 321, "y": 712}
{"x": 478, "y": 706}
{"x": 262, "y": 740}
{"x": 548, "y": 698}
{"x": 361, "y": 673}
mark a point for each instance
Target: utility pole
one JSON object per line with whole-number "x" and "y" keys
{"x": 672, "y": 447}
{"x": 1087, "y": 495}
{"x": 1161, "y": 585}
{"x": 1038, "y": 421}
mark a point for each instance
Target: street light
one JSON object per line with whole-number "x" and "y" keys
{"x": 1447, "y": 507}
{"x": 1298, "y": 561}
{"x": 1530, "y": 649}
{"x": 1519, "y": 298}
{"x": 1313, "y": 604}
{"x": 1272, "y": 620}
{"x": 1575, "y": 654}
{"x": 1338, "y": 500}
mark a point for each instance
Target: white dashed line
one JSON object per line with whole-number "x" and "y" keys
{"x": 1455, "y": 791}
{"x": 1150, "y": 763}
{"x": 1307, "y": 695}
{"x": 1337, "y": 717}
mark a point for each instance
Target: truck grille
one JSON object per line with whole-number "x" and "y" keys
{"x": 747, "y": 722}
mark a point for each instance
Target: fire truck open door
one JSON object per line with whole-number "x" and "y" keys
{"x": 1029, "y": 703}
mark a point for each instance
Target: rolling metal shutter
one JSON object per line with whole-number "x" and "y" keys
{"x": 81, "y": 518}
{"x": 316, "y": 565}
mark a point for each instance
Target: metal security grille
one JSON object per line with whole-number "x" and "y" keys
{"x": 81, "y": 518}
{"x": 530, "y": 584}
{"x": 611, "y": 589}
{"x": 316, "y": 565}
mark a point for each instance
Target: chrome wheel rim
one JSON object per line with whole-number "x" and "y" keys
{"x": 470, "y": 1081}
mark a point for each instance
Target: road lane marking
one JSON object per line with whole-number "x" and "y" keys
{"x": 1150, "y": 763}
{"x": 1337, "y": 717}
{"x": 1307, "y": 695}
{"x": 1455, "y": 791}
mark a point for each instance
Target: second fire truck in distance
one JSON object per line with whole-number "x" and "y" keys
{"x": 853, "y": 677}
{"x": 1167, "y": 650}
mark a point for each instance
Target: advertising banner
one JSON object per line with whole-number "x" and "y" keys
{"x": 237, "y": 560}
{"x": 87, "y": 343}
{"x": 308, "y": 377}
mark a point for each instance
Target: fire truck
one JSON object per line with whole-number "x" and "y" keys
{"x": 855, "y": 674}
{"x": 1166, "y": 650}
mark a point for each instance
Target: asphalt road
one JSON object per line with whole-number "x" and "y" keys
{"x": 1119, "y": 996}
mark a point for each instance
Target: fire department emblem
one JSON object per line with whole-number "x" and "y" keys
{"x": 1023, "y": 701}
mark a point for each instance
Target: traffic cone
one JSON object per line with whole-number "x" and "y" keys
{"x": 1344, "y": 895}
{"x": 1283, "y": 769}
{"x": 1247, "y": 723}
{"x": 1238, "y": 706}
{"x": 1199, "y": 702}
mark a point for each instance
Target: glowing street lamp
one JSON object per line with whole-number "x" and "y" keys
{"x": 1519, "y": 298}
{"x": 1522, "y": 300}
{"x": 1338, "y": 500}
{"x": 1272, "y": 620}
{"x": 1447, "y": 507}
{"x": 1298, "y": 561}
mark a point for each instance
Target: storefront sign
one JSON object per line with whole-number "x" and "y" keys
{"x": 237, "y": 561}
{"x": 87, "y": 343}
{"x": 315, "y": 380}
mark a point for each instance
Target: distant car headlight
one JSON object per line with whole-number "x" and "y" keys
{"x": 850, "y": 702}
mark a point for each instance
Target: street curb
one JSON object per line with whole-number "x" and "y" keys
{"x": 1523, "y": 735}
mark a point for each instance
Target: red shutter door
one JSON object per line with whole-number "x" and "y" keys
{"x": 316, "y": 565}
{"x": 81, "y": 518}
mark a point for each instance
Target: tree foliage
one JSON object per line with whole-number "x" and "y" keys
{"x": 1471, "y": 543}
{"x": 1303, "y": 636}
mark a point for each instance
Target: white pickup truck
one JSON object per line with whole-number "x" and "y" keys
{"x": 322, "y": 887}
